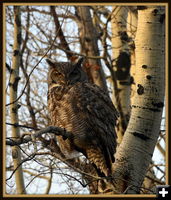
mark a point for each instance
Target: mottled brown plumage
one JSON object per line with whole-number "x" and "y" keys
{"x": 85, "y": 110}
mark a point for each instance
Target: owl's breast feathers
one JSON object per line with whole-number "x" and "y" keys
{"x": 88, "y": 112}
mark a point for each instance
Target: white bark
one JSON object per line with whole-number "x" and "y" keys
{"x": 134, "y": 154}
{"x": 131, "y": 30}
{"x": 121, "y": 66}
{"x": 16, "y": 154}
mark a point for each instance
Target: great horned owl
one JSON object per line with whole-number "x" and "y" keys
{"x": 85, "y": 110}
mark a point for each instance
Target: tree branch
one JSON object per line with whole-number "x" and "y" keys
{"x": 36, "y": 66}
{"x": 25, "y": 138}
{"x": 22, "y": 126}
{"x": 61, "y": 36}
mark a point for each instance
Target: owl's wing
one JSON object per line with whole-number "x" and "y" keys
{"x": 100, "y": 114}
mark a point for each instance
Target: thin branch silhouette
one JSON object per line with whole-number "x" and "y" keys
{"x": 38, "y": 63}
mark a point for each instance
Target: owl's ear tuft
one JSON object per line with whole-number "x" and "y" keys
{"x": 79, "y": 62}
{"x": 50, "y": 62}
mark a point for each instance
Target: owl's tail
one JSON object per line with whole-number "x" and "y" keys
{"x": 97, "y": 158}
{"x": 103, "y": 168}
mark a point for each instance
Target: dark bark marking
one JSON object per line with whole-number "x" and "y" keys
{"x": 158, "y": 105}
{"x": 15, "y": 84}
{"x": 132, "y": 80}
{"x": 18, "y": 23}
{"x": 141, "y": 7}
{"x": 19, "y": 38}
{"x": 17, "y": 20}
{"x": 144, "y": 66}
{"x": 140, "y": 89}
{"x": 141, "y": 136}
{"x": 87, "y": 39}
{"x": 125, "y": 82}
{"x": 18, "y": 106}
{"x": 162, "y": 18}
{"x": 123, "y": 62}
{"x": 151, "y": 109}
{"x": 15, "y": 52}
{"x": 14, "y": 154}
{"x": 10, "y": 84}
{"x": 123, "y": 36}
{"x": 155, "y": 11}
{"x": 148, "y": 77}
{"x": 9, "y": 68}
{"x": 139, "y": 117}
{"x": 154, "y": 110}
{"x": 15, "y": 109}
{"x": 132, "y": 46}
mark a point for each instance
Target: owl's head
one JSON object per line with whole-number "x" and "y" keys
{"x": 65, "y": 73}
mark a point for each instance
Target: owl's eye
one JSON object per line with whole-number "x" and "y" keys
{"x": 57, "y": 74}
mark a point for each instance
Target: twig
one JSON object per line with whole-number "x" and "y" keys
{"x": 25, "y": 138}
{"x": 27, "y": 159}
{"x": 36, "y": 66}
{"x": 61, "y": 36}
{"x": 155, "y": 180}
{"x": 22, "y": 126}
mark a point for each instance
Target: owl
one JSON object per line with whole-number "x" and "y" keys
{"x": 86, "y": 111}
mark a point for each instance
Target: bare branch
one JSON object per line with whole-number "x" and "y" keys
{"x": 25, "y": 138}
{"x": 35, "y": 67}
{"x": 61, "y": 36}
{"x": 22, "y": 126}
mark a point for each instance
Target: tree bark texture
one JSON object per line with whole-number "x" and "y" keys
{"x": 16, "y": 154}
{"x": 89, "y": 46}
{"x": 135, "y": 152}
{"x": 121, "y": 66}
{"x": 131, "y": 30}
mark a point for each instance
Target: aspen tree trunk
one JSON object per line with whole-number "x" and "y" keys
{"x": 89, "y": 45}
{"x": 121, "y": 66}
{"x": 135, "y": 152}
{"x": 131, "y": 29}
{"x": 16, "y": 154}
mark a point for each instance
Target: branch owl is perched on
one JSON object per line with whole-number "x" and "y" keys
{"x": 85, "y": 110}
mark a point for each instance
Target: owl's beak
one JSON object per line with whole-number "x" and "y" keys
{"x": 50, "y": 62}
